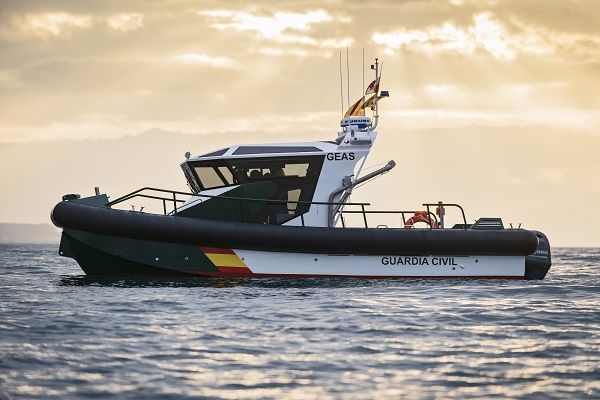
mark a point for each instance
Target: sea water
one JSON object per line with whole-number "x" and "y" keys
{"x": 65, "y": 336}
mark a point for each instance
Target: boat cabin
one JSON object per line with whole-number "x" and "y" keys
{"x": 292, "y": 183}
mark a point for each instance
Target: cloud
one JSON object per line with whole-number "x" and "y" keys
{"x": 485, "y": 33}
{"x": 441, "y": 89}
{"x": 113, "y": 126}
{"x": 523, "y": 89}
{"x": 63, "y": 24}
{"x": 271, "y": 27}
{"x": 126, "y": 22}
{"x": 281, "y": 27}
{"x": 580, "y": 120}
{"x": 280, "y": 52}
{"x": 54, "y": 24}
{"x": 203, "y": 59}
{"x": 322, "y": 122}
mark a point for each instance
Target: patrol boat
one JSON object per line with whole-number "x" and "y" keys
{"x": 284, "y": 210}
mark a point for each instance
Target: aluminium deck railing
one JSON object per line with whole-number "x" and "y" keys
{"x": 172, "y": 198}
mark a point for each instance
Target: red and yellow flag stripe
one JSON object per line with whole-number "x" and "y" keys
{"x": 226, "y": 261}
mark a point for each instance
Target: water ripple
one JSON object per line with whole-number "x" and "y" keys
{"x": 64, "y": 335}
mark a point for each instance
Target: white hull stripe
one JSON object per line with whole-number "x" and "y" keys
{"x": 278, "y": 263}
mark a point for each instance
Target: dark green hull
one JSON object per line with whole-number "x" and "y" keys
{"x": 106, "y": 255}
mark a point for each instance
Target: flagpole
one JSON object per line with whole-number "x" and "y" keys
{"x": 376, "y": 115}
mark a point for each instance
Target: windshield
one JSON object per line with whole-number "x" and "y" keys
{"x": 295, "y": 179}
{"x": 219, "y": 173}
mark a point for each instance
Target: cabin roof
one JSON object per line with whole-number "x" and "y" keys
{"x": 263, "y": 150}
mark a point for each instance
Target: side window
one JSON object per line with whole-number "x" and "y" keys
{"x": 227, "y": 175}
{"x": 299, "y": 170}
{"x": 293, "y": 195}
{"x": 295, "y": 179}
{"x": 209, "y": 177}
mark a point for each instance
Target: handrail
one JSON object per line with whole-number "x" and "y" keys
{"x": 448, "y": 205}
{"x": 173, "y": 198}
{"x": 137, "y": 193}
{"x": 401, "y": 212}
{"x": 129, "y": 195}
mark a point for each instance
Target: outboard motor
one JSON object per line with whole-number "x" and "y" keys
{"x": 538, "y": 263}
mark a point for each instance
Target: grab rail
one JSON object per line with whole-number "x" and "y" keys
{"x": 462, "y": 211}
{"x": 401, "y": 212}
{"x": 173, "y": 198}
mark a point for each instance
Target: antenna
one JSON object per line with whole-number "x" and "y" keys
{"x": 348, "y": 77}
{"x": 363, "y": 71}
{"x": 341, "y": 85}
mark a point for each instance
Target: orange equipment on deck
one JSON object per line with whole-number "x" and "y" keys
{"x": 421, "y": 216}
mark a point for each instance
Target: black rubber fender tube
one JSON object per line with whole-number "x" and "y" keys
{"x": 321, "y": 240}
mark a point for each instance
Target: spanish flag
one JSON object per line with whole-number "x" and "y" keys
{"x": 373, "y": 87}
{"x": 357, "y": 109}
{"x": 226, "y": 261}
{"x": 370, "y": 102}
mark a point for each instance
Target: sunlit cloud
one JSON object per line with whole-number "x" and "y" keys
{"x": 301, "y": 52}
{"x": 55, "y": 24}
{"x": 441, "y": 89}
{"x": 126, "y": 22}
{"x": 485, "y": 33}
{"x": 447, "y": 118}
{"x": 280, "y": 51}
{"x": 203, "y": 59}
{"x": 281, "y": 27}
{"x": 492, "y": 36}
{"x": 529, "y": 88}
{"x": 269, "y": 27}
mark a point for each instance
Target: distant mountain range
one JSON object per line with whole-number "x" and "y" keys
{"x": 28, "y": 233}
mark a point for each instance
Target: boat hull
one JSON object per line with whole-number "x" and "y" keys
{"x": 116, "y": 243}
{"x": 102, "y": 255}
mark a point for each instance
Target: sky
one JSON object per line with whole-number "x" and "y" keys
{"x": 493, "y": 104}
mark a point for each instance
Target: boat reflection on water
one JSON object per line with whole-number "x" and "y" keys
{"x": 136, "y": 281}
{"x": 271, "y": 283}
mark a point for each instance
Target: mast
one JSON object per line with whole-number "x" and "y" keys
{"x": 377, "y": 76}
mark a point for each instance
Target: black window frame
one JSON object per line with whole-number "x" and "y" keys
{"x": 314, "y": 161}
{"x": 272, "y": 213}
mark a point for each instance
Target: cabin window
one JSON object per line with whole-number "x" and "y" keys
{"x": 293, "y": 195}
{"x": 226, "y": 175}
{"x": 218, "y": 173}
{"x": 209, "y": 177}
{"x": 295, "y": 178}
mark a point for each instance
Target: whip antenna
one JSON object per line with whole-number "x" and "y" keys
{"x": 348, "y": 77}
{"x": 341, "y": 85}
{"x": 363, "y": 71}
